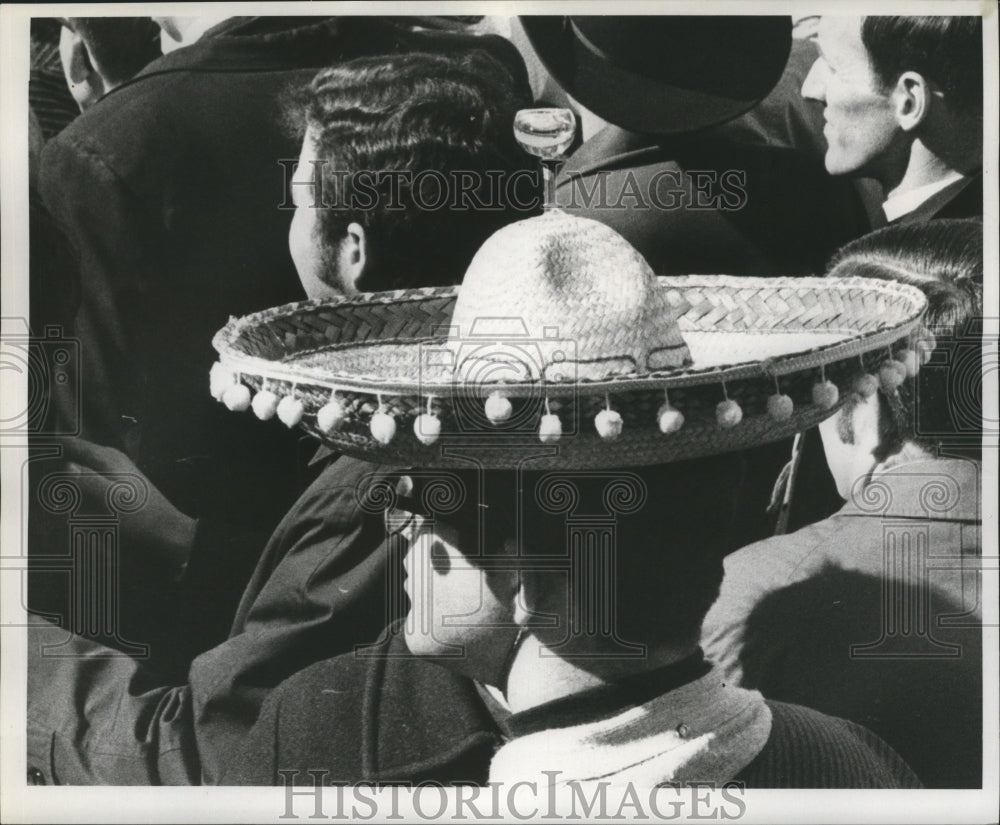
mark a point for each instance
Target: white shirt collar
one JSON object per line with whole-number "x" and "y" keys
{"x": 905, "y": 202}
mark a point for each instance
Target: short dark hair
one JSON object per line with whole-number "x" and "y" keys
{"x": 948, "y": 51}
{"x": 413, "y": 113}
{"x": 668, "y": 548}
{"x": 121, "y": 46}
{"x": 943, "y": 258}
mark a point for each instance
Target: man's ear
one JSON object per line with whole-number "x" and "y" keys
{"x": 353, "y": 255}
{"x": 911, "y": 100}
{"x": 850, "y": 438}
{"x": 85, "y": 82}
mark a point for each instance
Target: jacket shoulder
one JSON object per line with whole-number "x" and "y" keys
{"x": 760, "y": 568}
{"x": 309, "y": 729}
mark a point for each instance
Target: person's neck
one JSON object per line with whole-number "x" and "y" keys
{"x": 909, "y": 453}
{"x": 539, "y": 674}
{"x": 184, "y": 31}
{"x": 924, "y": 168}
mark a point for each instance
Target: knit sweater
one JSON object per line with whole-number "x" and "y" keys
{"x": 808, "y": 749}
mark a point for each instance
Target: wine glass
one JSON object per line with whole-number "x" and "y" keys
{"x": 546, "y": 134}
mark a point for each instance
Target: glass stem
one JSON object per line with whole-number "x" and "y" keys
{"x": 550, "y": 168}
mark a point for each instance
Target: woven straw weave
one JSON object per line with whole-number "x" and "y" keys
{"x": 748, "y": 338}
{"x": 560, "y": 278}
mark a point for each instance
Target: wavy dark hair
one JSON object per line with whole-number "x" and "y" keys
{"x": 413, "y": 113}
{"x": 942, "y": 407}
{"x": 948, "y": 51}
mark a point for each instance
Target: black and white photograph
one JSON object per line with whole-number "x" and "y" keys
{"x": 478, "y": 411}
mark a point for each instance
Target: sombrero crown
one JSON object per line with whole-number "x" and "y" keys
{"x": 575, "y": 287}
{"x": 562, "y": 349}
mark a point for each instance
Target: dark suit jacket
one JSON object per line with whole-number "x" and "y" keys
{"x": 171, "y": 189}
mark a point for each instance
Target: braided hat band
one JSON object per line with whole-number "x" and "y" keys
{"x": 561, "y": 337}
{"x": 799, "y": 338}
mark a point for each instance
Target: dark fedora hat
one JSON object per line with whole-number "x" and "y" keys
{"x": 663, "y": 75}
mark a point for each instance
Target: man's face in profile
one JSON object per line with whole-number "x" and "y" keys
{"x": 303, "y": 235}
{"x": 861, "y": 130}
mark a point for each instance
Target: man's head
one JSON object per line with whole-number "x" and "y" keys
{"x": 943, "y": 401}
{"x": 100, "y": 53}
{"x": 888, "y": 81}
{"x": 408, "y": 164}
{"x": 588, "y": 563}
{"x": 176, "y": 32}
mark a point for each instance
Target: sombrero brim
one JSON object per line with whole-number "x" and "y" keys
{"x": 630, "y": 100}
{"x": 749, "y": 338}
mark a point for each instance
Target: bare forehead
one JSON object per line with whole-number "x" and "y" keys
{"x": 840, "y": 35}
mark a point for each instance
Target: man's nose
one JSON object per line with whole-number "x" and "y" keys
{"x": 814, "y": 86}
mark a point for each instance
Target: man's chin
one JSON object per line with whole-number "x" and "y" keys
{"x": 427, "y": 647}
{"x": 835, "y": 165}
{"x": 838, "y": 164}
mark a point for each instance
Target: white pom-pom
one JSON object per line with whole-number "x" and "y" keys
{"x": 330, "y": 416}
{"x": 427, "y": 428}
{"x": 219, "y": 380}
{"x": 780, "y": 407}
{"x": 608, "y": 424}
{"x": 910, "y": 361}
{"x": 498, "y": 408}
{"x": 550, "y": 428}
{"x": 265, "y": 404}
{"x": 925, "y": 346}
{"x": 237, "y": 398}
{"x": 890, "y": 375}
{"x": 866, "y": 385}
{"x": 825, "y": 395}
{"x": 290, "y": 410}
{"x": 669, "y": 419}
{"x": 383, "y": 427}
{"x": 728, "y": 413}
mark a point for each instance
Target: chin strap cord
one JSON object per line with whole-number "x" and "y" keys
{"x": 784, "y": 488}
{"x": 508, "y": 663}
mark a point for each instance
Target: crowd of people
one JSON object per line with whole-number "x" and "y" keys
{"x": 298, "y": 604}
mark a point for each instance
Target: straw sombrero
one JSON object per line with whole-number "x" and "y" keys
{"x": 562, "y": 349}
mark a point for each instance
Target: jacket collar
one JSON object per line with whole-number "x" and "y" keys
{"x": 277, "y": 43}
{"x": 961, "y": 199}
{"x": 615, "y": 148}
{"x": 420, "y": 719}
{"x": 247, "y": 42}
{"x": 323, "y": 455}
{"x": 608, "y": 149}
{"x": 938, "y": 489}
{"x": 609, "y": 700}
